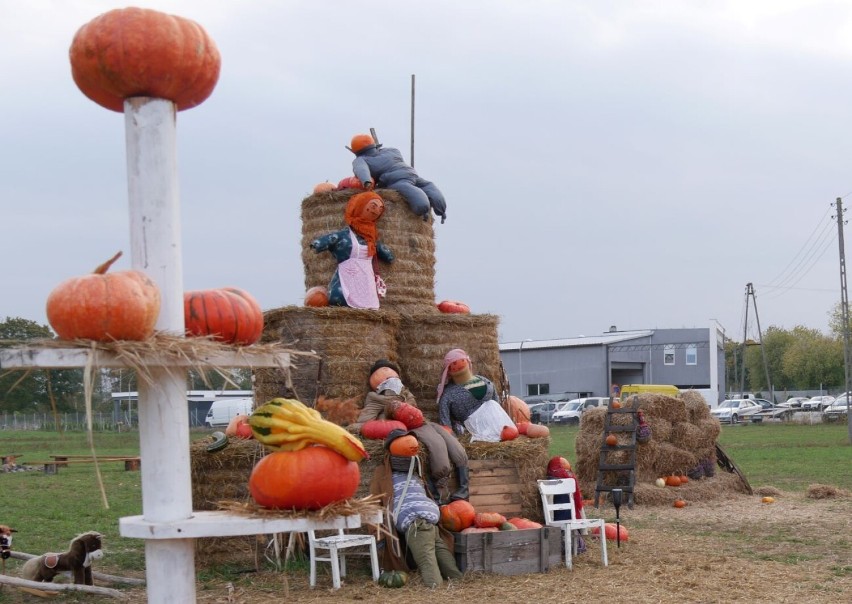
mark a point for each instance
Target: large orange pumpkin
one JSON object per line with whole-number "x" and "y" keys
{"x": 105, "y": 306}
{"x": 453, "y": 307}
{"x": 537, "y": 431}
{"x": 134, "y": 52}
{"x": 308, "y": 479}
{"x": 613, "y": 531}
{"x": 517, "y": 409}
{"x": 457, "y": 515}
{"x": 230, "y": 315}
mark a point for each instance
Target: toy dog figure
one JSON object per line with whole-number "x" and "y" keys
{"x": 84, "y": 549}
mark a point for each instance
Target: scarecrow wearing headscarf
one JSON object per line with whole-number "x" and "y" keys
{"x": 356, "y": 248}
{"x": 376, "y": 166}
{"x": 469, "y": 401}
{"x": 385, "y": 400}
{"x": 415, "y": 515}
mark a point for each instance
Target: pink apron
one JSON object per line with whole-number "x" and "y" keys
{"x": 357, "y": 279}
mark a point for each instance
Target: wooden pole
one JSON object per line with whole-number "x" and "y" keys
{"x": 150, "y": 130}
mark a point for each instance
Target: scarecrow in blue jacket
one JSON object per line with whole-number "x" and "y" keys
{"x": 356, "y": 282}
{"x": 383, "y": 167}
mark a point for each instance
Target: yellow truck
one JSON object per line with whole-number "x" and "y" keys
{"x": 629, "y": 390}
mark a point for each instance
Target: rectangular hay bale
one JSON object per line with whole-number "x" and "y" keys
{"x": 509, "y": 552}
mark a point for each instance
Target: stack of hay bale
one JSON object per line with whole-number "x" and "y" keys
{"x": 682, "y": 443}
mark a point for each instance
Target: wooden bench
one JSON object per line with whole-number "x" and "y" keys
{"x": 57, "y": 461}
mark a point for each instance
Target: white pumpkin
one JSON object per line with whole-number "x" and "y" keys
{"x": 660, "y": 482}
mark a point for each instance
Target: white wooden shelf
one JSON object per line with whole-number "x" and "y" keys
{"x": 66, "y": 358}
{"x": 227, "y": 524}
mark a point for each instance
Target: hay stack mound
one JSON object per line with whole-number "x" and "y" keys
{"x": 683, "y": 442}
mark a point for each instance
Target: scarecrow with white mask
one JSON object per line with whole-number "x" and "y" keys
{"x": 390, "y": 399}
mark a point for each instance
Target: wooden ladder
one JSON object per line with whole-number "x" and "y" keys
{"x": 626, "y": 472}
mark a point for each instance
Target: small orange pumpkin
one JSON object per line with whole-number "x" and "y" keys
{"x": 679, "y": 503}
{"x": 133, "y": 52}
{"x": 453, "y": 307}
{"x": 350, "y": 182}
{"x": 405, "y": 446}
{"x": 523, "y": 427}
{"x": 239, "y": 427}
{"x": 611, "y": 440}
{"x": 672, "y": 481}
{"x": 537, "y": 431}
{"x": 324, "y": 187}
{"x": 683, "y": 479}
{"x": 105, "y": 306}
{"x": 615, "y": 404}
{"x": 409, "y": 415}
{"x": 488, "y": 520}
{"x": 316, "y": 296}
{"x": 308, "y": 479}
{"x": 508, "y": 433}
{"x": 457, "y": 515}
{"x": 524, "y": 523}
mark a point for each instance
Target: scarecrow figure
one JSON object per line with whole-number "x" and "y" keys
{"x": 415, "y": 515}
{"x": 385, "y": 400}
{"x": 84, "y": 549}
{"x": 376, "y": 166}
{"x": 356, "y": 282}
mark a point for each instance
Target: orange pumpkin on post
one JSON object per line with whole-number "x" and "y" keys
{"x": 138, "y": 52}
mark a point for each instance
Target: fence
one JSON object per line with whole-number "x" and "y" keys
{"x": 101, "y": 422}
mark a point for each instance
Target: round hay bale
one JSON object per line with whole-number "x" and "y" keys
{"x": 410, "y": 277}
{"x": 673, "y": 460}
{"x": 724, "y": 485}
{"x": 424, "y": 340}
{"x": 696, "y": 406}
{"x": 710, "y": 430}
{"x": 347, "y": 340}
{"x": 686, "y": 436}
{"x": 587, "y": 446}
{"x": 646, "y": 460}
{"x": 592, "y": 421}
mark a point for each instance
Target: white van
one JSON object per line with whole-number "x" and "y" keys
{"x": 222, "y": 411}
{"x": 573, "y": 409}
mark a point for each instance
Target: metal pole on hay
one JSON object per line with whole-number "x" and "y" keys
{"x": 163, "y": 421}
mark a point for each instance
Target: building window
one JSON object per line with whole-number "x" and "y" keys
{"x": 535, "y": 389}
{"x": 692, "y": 355}
{"x": 669, "y": 354}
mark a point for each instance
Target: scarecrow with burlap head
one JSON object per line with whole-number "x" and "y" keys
{"x": 357, "y": 249}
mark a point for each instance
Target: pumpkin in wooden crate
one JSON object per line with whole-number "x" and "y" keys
{"x": 229, "y": 314}
{"x": 488, "y": 520}
{"x": 307, "y": 479}
{"x": 393, "y": 578}
{"x": 380, "y": 428}
{"x": 103, "y": 306}
{"x": 316, "y": 296}
{"x": 524, "y": 523}
{"x": 457, "y": 515}
{"x": 138, "y": 52}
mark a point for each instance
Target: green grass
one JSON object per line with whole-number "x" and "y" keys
{"x": 787, "y": 456}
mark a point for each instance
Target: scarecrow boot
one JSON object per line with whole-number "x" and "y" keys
{"x": 463, "y": 492}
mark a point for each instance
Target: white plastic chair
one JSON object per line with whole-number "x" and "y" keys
{"x": 336, "y": 546}
{"x": 570, "y": 527}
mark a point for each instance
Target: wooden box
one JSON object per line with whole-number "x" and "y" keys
{"x": 509, "y": 552}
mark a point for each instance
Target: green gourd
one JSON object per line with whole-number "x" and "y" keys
{"x": 393, "y": 578}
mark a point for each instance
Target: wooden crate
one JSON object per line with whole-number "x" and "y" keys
{"x": 494, "y": 487}
{"x": 509, "y": 552}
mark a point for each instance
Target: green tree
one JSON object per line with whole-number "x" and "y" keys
{"x": 814, "y": 359}
{"x": 31, "y": 391}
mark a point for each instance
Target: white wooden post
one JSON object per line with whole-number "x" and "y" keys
{"x": 163, "y": 421}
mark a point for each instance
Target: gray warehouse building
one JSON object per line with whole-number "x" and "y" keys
{"x": 689, "y": 358}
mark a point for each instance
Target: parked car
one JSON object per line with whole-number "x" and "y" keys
{"x": 569, "y": 414}
{"x": 542, "y": 413}
{"x": 836, "y": 410}
{"x": 817, "y": 403}
{"x": 765, "y": 404}
{"x": 735, "y": 409}
{"x": 795, "y": 402}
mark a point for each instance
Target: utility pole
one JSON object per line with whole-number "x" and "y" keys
{"x": 844, "y": 312}
{"x": 750, "y": 293}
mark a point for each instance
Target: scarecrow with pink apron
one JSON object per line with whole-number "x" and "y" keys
{"x": 356, "y": 282}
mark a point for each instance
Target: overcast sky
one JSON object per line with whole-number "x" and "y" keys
{"x": 605, "y": 163}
